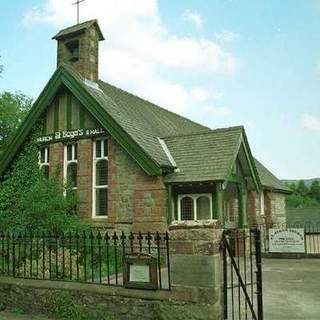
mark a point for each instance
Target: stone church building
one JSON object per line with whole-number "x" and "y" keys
{"x": 137, "y": 166}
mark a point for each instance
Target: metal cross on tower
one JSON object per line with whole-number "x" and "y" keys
{"x": 78, "y": 9}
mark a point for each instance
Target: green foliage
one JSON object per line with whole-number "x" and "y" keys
{"x": 299, "y": 201}
{"x": 302, "y": 196}
{"x": 315, "y": 190}
{"x": 17, "y": 311}
{"x": 13, "y": 109}
{"x": 66, "y": 307}
{"x": 28, "y": 201}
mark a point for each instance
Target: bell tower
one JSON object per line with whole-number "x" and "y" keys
{"x": 78, "y": 46}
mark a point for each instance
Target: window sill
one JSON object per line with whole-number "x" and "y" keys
{"x": 196, "y": 223}
{"x": 100, "y": 218}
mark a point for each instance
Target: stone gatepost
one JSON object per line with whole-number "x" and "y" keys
{"x": 196, "y": 263}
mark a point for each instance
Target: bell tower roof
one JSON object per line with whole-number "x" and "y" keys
{"x": 78, "y": 29}
{"x": 78, "y": 46}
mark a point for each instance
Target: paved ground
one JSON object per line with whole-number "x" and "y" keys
{"x": 291, "y": 289}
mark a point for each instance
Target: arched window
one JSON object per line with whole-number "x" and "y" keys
{"x": 195, "y": 206}
{"x": 100, "y": 179}
{"x": 203, "y": 208}
{"x": 44, "y": 161}
{"x": 187, "y": 208}
{"x": 70, "y": 169}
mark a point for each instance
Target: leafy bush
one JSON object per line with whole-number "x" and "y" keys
{"x": 28, "y": 201}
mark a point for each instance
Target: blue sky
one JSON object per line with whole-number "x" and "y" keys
{"x": 220, "y": 62}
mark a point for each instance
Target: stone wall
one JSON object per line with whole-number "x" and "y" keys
{"x": 75, "y": 301}
{"x": 253, "y": 208}
{"x": 279, "y": 208}
{"x": 56, "y": 160}
{"x": 196, "y": 286}
{"x": 231, "y": 206}
{"x": 84, "y": 191}
{"x": 134, "y": 197}
{"x": 274, "y": 208}
{"x": 136, "y": 201}
{"x": 195, "y": 249}
{"x": 88, "y": 62}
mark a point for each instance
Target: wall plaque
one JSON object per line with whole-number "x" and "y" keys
{"x": 140, "y": 271}
{"x": 289, "y": 240}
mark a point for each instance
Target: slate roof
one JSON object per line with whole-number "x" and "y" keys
{"x": 79, "y": 28}
{"x": 205, "y": 156}
{"x": 199, "y": 153}
{"x": 142, "y": 120}
{"x": 269, "y": 180}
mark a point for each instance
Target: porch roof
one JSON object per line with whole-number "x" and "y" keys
{"x": 206, "y": 156}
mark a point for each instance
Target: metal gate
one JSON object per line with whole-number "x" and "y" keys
{"x": 242, "y": 274}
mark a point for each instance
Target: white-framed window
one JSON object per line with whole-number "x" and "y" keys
{"x": 100, "y": 179}
{"x": 262, "y": 203}
{"x": 44, "y": 155}
{"x": 70, "y": 168}
{"x": 195, "y": 206}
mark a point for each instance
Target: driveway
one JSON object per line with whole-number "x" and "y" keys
{"x": 291, "y": 289}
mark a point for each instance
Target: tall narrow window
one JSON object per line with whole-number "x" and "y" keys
{"x": 71, "y": 165}
{"x": 100, "y": 179}
{"x": 44, "y": 161}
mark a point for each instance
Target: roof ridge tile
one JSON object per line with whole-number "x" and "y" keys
{"x": 210, "y": 131}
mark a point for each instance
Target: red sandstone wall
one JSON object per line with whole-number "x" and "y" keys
{"x": 84, "y": 191}
{"x": 136, "y": 201}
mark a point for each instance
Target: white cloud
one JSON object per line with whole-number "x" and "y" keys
{"x": 194, "y": 17}
{"x": 140, "y": 53}
{"x": 226, "y": 36}
{"x": 310, "y": 122}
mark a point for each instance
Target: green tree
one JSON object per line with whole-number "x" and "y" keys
{"x": 299, "y": 201}
{"x": 292, "y": 186}
{"x": 302, "y": 196}
{"x": 315, "y": 190}
{"x": 13, "y": 109}
{"x": 302, "y": 189}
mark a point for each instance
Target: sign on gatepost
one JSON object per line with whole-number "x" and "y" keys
{"x": 291, "y": 240}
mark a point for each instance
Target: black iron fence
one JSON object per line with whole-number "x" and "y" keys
{"x": 242, "y": 274}
{"x": 311, "y": 235}
{"x": 90, "y": 257}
